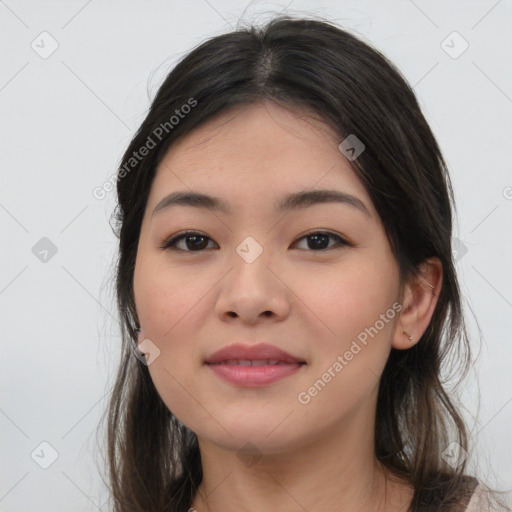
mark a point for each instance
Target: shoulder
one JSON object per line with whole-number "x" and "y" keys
{"x": 477, "y": 500}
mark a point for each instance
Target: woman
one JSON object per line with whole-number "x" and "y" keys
{"x": 286, "y": 288}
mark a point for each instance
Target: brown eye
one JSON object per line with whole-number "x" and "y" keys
{"x": 194, "y": 242}
{"x": 319, "y": 240}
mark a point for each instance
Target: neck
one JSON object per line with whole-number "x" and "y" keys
{"x": 331, "y": 473}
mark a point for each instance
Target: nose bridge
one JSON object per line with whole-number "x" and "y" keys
{"x": 250, "y": 250}
{"x": 250, "y": 262}
{"x": 250, "y": 287}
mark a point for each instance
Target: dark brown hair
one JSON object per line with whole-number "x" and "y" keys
{"x": 314, "y": 66}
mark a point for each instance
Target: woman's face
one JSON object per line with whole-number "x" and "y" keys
{"x": 253, "y": 275}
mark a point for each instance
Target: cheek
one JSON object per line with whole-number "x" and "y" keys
{"x": 162, "y": 297}
{"x": 357, "y": 308}
{"x": 347, "y": 300}
{"x": 168, "y": 307}
{"x": 172, "y": 305}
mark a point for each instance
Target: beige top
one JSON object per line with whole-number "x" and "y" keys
{"x": 473, "y": 505}
{"x": 478, "y": 503}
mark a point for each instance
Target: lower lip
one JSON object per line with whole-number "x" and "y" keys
{"x": 254, "y": 376}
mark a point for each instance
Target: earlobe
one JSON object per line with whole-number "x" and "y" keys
{"x": 421, "y": 295}
{"x": 140, "y": 336}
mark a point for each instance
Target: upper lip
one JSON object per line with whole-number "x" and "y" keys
{"x": 261, "y": 351}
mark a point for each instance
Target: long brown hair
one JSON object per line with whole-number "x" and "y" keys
{"x": 153, "y": 460}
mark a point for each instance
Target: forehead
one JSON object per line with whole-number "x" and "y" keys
{"x": 257, "y": 152}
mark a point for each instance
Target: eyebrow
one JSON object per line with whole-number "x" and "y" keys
{"x": 293, "y": 201}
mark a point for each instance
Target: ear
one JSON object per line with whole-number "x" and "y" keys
{"x": 418, "y": 300}
{"x": 140, "y": 336}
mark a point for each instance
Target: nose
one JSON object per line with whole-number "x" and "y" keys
{"x": 254, "y": 288}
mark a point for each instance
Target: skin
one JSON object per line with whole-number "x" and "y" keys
{"x": 307, "y": 301}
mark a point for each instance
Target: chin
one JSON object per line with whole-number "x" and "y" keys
{"x": 260, "y": 438}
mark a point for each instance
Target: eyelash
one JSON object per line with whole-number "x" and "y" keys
{"x": 170, "y": 243}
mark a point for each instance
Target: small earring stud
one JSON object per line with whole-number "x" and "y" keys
{"x": 408, "y": 335}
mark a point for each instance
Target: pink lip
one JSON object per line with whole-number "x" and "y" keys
{"x": 253, "y": 376}
{"x": 251, "y": 352}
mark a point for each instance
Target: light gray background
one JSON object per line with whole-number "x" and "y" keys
{"x": 65, "y": 122}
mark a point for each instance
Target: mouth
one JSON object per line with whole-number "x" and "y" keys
{"x": 253, "y": 366}
{"x": 249, "y": 376}
{"x": 256, "y": 362}
{"x": 253, "y": 373}
{"x": 261, "y": 354}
